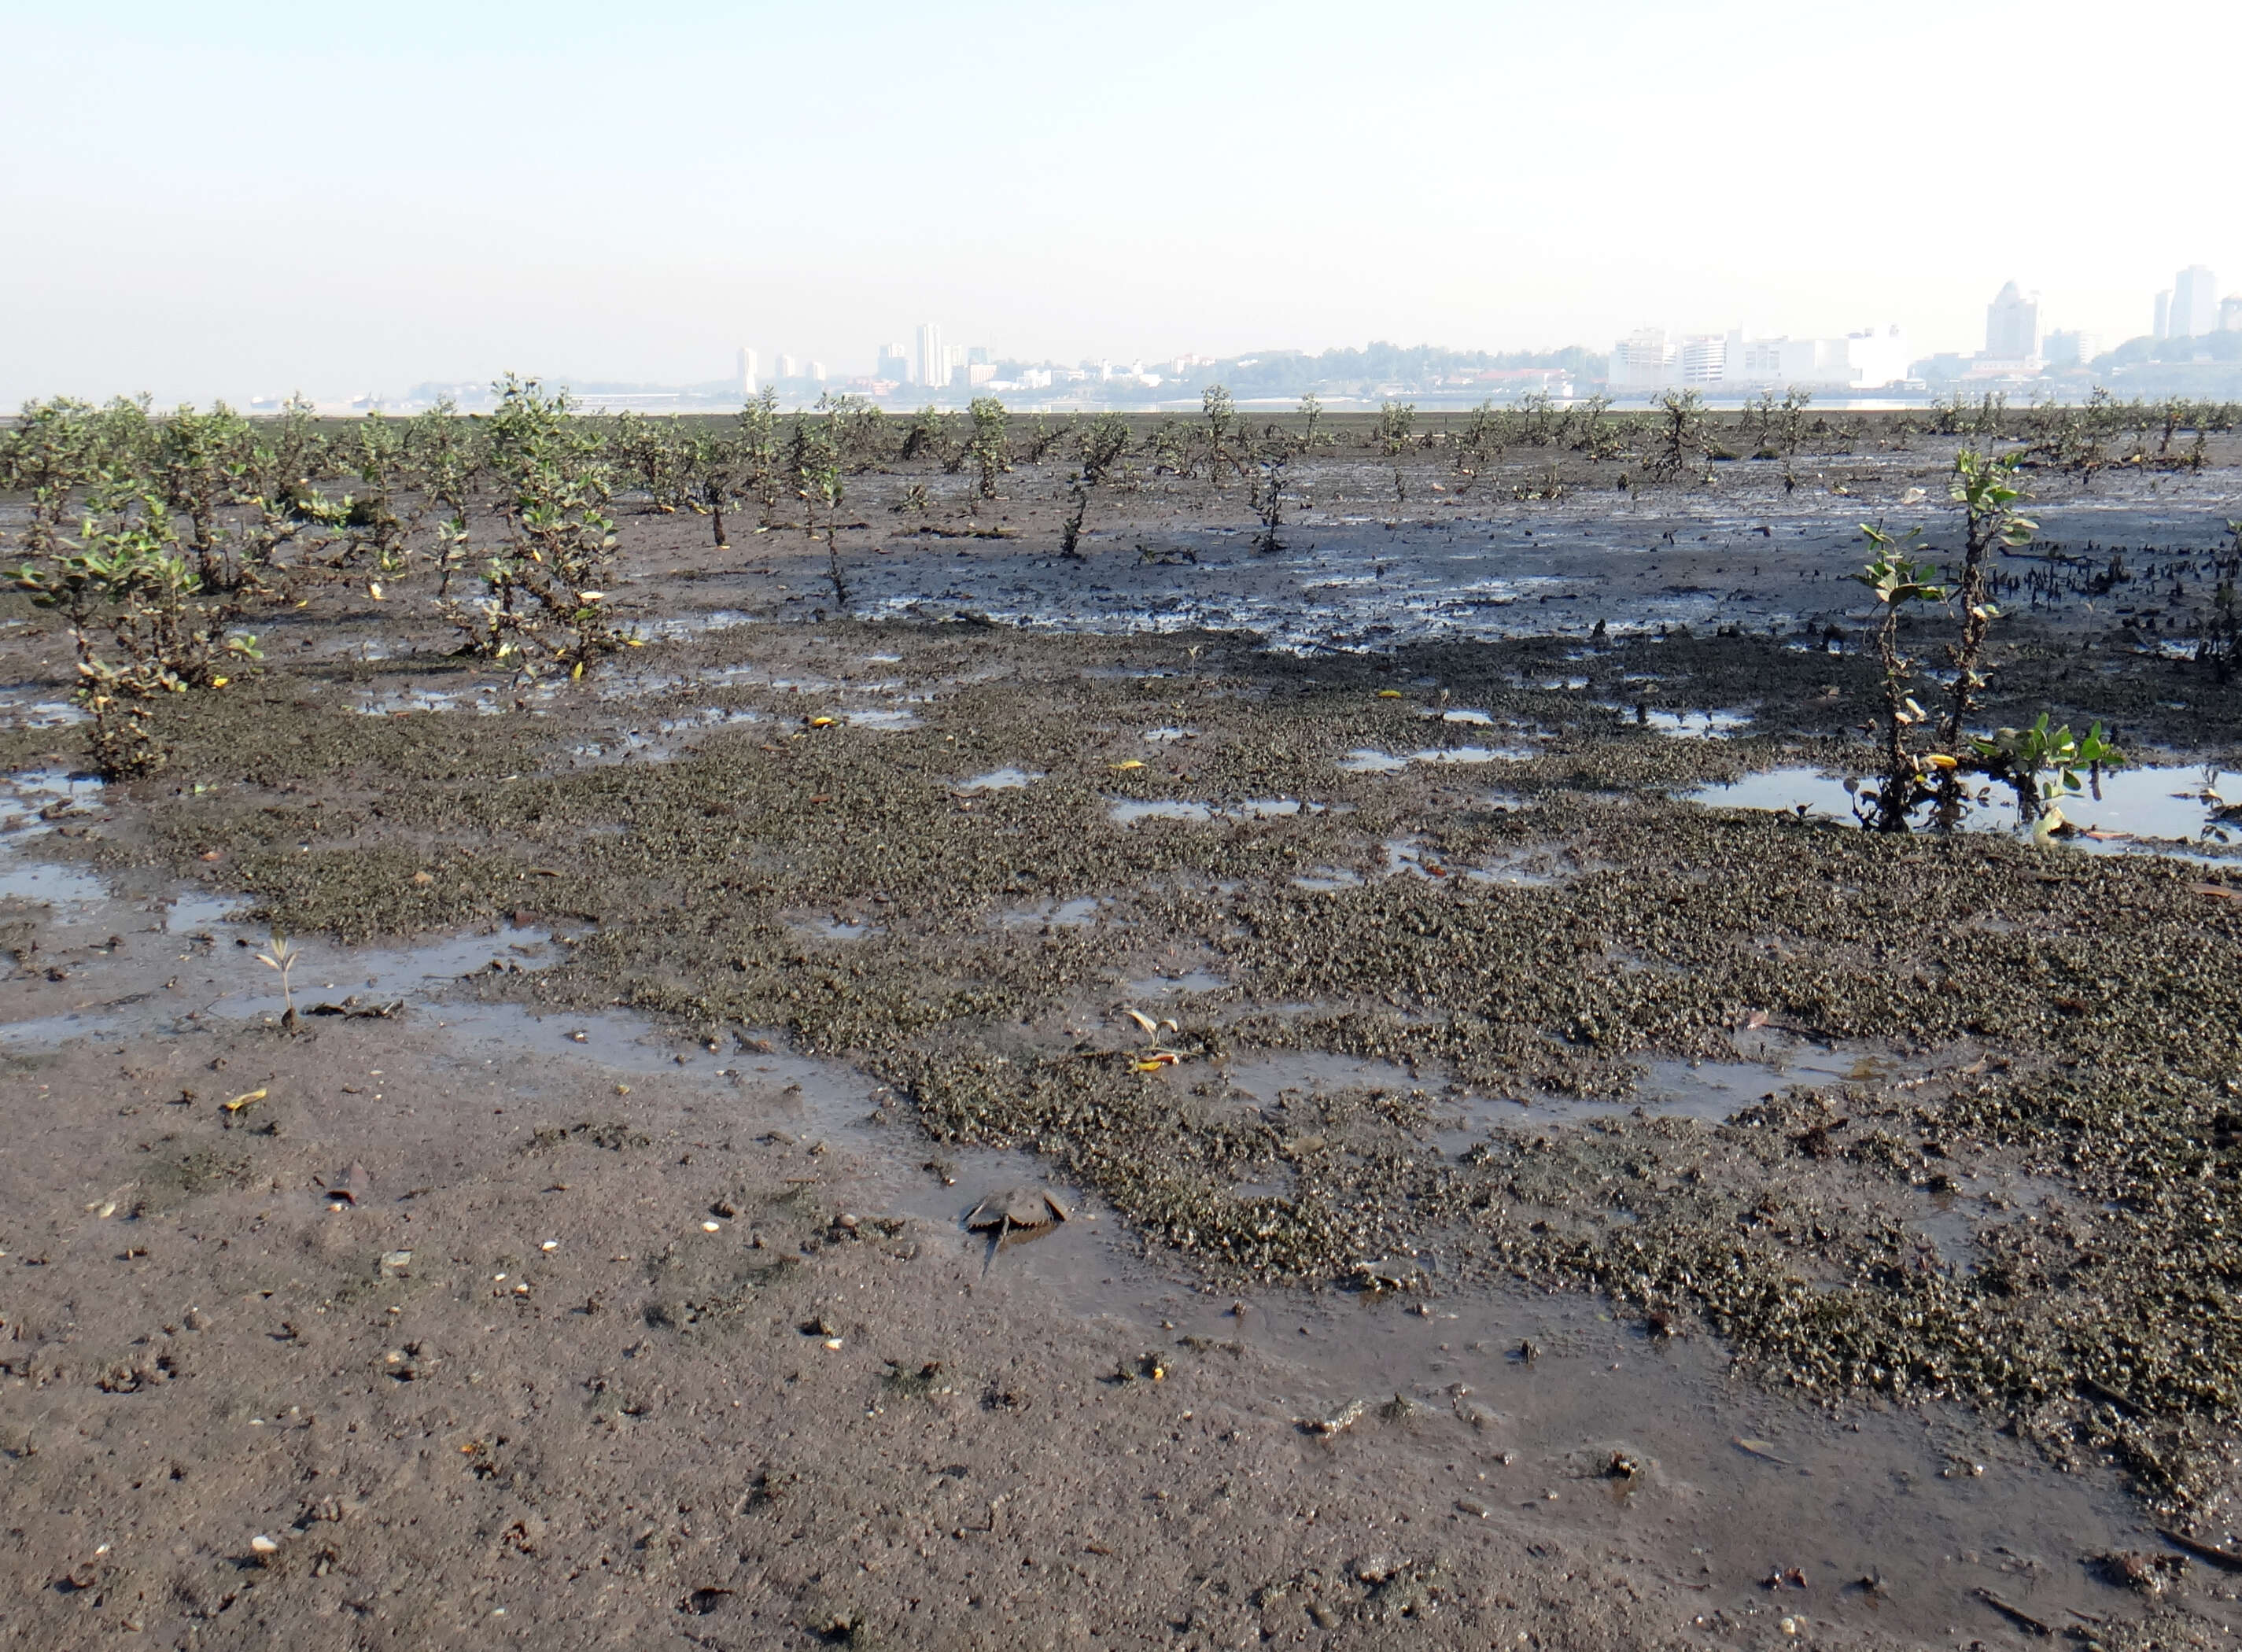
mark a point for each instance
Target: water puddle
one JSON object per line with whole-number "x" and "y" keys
{"x": 1128, "y": 811}
{"x": 111, "y": 972}
{"x": 1006, "y": 779}
{"x": 1058, "y": 914}
{"x": 2152, "y": 808}
{"x": 890, "y": 721}
{"x": 1683, "y": 725}
{"x": 44, "y": 714}
{"x": 58, "y": 886}
{"x": 1158, "y": 986}
{"x": 834, "y": 929}
{"x": 1270, "y": 1075}
{"x": 1368, "y": 761}
{"x": 32, "y": 799}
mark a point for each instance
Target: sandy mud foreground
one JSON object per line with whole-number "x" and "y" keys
{"x": 1511, "y": 1204}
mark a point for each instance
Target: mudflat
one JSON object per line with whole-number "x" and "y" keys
{"x": 1518, "y": 1165}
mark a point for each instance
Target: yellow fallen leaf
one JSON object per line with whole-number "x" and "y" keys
{"x": 822, "y": 723}
{"x": 373, "y": 589}
{"x": 1389, "y": 694}
{"x": 241, "y": 1101}
{"x": 1142, "y": 1020}
{"x": 1130, "y": 762}
{"x": 219, "y": 682}
{"x": 1940, "y": 760}
{"x": 1147, "y": 1066}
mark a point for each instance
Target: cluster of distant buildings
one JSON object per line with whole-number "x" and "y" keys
{"x": 1648, "y": 359}
{"x": 2015, "y": 348}
{"x": 2190, "y": 306}
{"x": 930, "y": 363}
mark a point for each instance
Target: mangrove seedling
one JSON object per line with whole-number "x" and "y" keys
{"x": 990, "y": 443}
{"x": 1986, "y": 489}
{"x": 1896, "y": 580}
{"x": 280, "y": 956}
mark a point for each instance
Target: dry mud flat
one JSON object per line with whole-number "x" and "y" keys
{"x": 1539, "y": 1210}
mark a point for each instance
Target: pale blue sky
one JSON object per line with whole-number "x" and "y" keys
{"x": 234, "y": 198}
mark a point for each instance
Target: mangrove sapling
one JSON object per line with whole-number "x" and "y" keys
{"x": 49, "y": 454}
{"x": 760, "y": 454}
{"x": 281, "y": 956}
{"x": 1896, "y": 580}
{"x": 1395, "y": 420}
{"x": 711, "y": 463}
{"x": 1042, "y": 436}
{"x": 1985, "y": 490}
{"x": 1070, "y": 528}
{"x": 2219, "y": 635}
{"x": 1269, "y": 496}
{"x": 1596, "y": 436}
{"x": 1220, "y": 414}
{"x": 1540, "y": 422}
{"x": 989, "y": 443}
{"x": 927, "y": 436}
{"x": 1479, "y": 440}
{"x": 371, "y": 514}
{"x": 1171, "y": 449}
{"x": 654, "y": 450}
{"x": 2043, "y": 766}
{"x": 443, "y": 462}
{"x": 859, "y": 429}
{"x": 1312, "y": 415}
{"x": 816, "y": 462}
{"x": 544, "y": 601}
{"x": 140, "y": 631}
{"x": 1104, "y": 444}
{"x": 1677, "y": 433}
{"x": 197, "y": 456}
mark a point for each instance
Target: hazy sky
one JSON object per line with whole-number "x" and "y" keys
{"x": 233, "y": 198}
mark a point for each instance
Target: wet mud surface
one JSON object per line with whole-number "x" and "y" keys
{"x": 1519, "y": 1193}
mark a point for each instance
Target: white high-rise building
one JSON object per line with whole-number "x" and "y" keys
{"x": 1640, "y": 360}
{"x": 2229, "y": 314}
{"x": 816, "y": 370}
{"x": 893, "y": 364}
{"x": 1866, "y": 360}
{"x": 2194, "y": 304}
{"x": 789, "y": 366}
{"x": 2161, "y": 328}
{"x": 748, "y": 364}
{"x": 931, "y": 362}
{"x": 2072, "y": 349}
{"x": 2012, "y": 325}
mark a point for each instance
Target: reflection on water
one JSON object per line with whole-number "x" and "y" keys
{"x": 2149, "y": 808}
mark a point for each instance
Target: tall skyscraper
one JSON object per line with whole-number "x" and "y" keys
{"x": 931, "y": 365}
{"x": 2012, "y": 325}
{"x": 2194, "y": 303}
{"x": 748, "y": 364}
{"x": 789, "y": 366}
{"x": 893, "y": 364}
